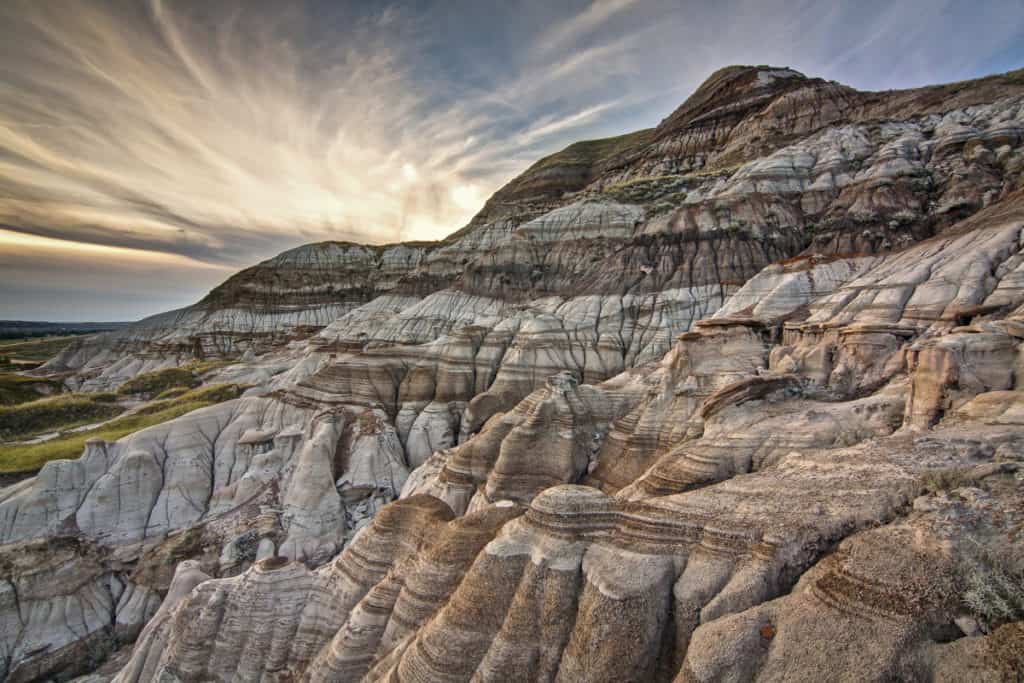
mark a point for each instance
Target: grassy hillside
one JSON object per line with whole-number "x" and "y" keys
{"x": 17, "y": 458}
{"x": 56, "y": 413}
{"x": 16, "y": 388}
{"x": 30, "y": 352}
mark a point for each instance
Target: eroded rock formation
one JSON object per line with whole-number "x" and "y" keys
{"x": 734, "y": 398}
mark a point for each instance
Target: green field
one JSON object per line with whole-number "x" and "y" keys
{"x": 33, "y": 350}
{"x": 16, "y": 388}
{"x": 61, "y": 412}
{"x": 32, "y": 406}
{"x": 150, "y": 384}
{"x": 18, "y": 458}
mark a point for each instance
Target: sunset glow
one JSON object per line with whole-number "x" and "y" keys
{"x": 204, "y": 137}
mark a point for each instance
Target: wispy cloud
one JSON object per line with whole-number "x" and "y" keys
{"x": 578, "y": 26}
{"x": 208, "y": 135}
{"x": 221, "y": 133}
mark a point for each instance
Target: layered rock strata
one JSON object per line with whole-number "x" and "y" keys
{"x": 736, "y": 397}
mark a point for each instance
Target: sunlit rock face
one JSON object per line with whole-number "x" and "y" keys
{"x": 737, "y": 397}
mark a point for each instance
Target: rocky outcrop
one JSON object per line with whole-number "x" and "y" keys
{"x": 167, "y": 478}
{"x": 63, "y": 609}
{"x": 758, "y": 166}
{"x": 736, "y": 397}
{"x": 713, "y": 561}
{"x": 582, "y": 583}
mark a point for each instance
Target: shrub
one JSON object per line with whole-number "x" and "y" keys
{"x": 993, "y": 584}
{"x": 947, "y": 479}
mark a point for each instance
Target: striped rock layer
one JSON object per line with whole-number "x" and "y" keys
{"x": 735, "y": 398}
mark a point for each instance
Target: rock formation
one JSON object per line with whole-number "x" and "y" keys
{"x": 738, "y": 397}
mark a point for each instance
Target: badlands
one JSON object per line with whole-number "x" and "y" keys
{"x": 740, "y": 397}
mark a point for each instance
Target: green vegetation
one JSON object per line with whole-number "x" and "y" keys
{"x": 173, "y": 392}
{"x": 34, "y": 350}
{"x": 169, "y": 382}
{"x": 215, "y": 393}
{"x": 994, "y": 584}
{"x": 30, "y": 457}
{"x": 202, "y": 367}
{"x": 158, "y": 381}
{"x": 56, "y": 413}
{"x": 16, "y": 389}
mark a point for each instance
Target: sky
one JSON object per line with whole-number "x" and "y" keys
{"x": 150, "y": 148}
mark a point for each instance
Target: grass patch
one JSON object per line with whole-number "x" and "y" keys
{"x": 37, "y": 350}
{"x": 204, "y": 366}
{"x": 208, "y": 395}
{"x": 16, "y": 388}
{"x": 647, "y": 189}
{"x": 170, "y": 382}
{"x": 173, "y": 392}
{"x": 669, "y": 190}
{"x": 54, "y": 413}
{"x": 158, "y": 381}
{"x": 30, "y": 457}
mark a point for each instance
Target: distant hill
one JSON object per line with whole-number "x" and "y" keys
{"x": 10, "y": 329}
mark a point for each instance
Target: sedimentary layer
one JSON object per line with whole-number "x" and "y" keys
{"x": 736, "y": 397}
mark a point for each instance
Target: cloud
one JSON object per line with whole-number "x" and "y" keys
{"x": 576, "y": 27}
{"x": 94, "y": 281}
{"x": 163, "y": 120}
{"x": 222, "y": 133}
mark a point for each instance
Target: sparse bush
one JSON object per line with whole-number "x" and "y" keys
{"x": 993, "y": 584}
{"x": 947, "y": 479}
